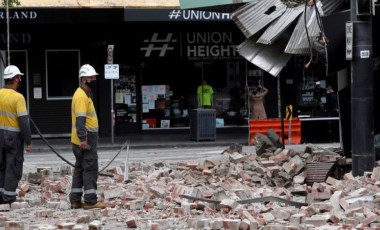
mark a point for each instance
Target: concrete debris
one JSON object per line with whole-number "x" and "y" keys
{"x": 235, "y": 148}
{"x": 238, "y": 190}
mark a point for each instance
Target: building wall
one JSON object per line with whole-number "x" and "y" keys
{"x": 100, "y": 3}
{"x": 90, "y": 31}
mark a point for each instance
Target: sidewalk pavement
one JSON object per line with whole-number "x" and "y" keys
{"x": 224, "y": 138}
{"x": 150, "y": 140}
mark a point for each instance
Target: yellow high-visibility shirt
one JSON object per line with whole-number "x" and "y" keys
{"x": 12, "y": 106}
{"x": 82, "y": 106}
{"x": 205, "y": 93}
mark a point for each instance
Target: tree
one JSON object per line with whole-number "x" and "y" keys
{"x": 7, "y": 4}
{"x": 11, "y": 2}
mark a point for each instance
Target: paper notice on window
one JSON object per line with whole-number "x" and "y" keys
{"x": 145, "y": 98}
{"x": 152, "y": 104}
{"x": 127, "y": 99}
{"x": 152, "y": 97}
{"x": 119, "y": 98}
{"x": 145, "y": 108}
{"x": 37, "y": 93}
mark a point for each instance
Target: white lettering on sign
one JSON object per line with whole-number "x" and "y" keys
{"x": 198, "y": 15}
{"x": 158, "y": 46}
{"x": 211, "y": 51}
{"x": 349, "y": 39}
{"x": 364, "y": 53}
{"x": 210, "y": 45}
{"x": 23, "y": 38}
{"x": 207, "y": 37}
{"x": 19, "y": 15}
{"x": 203, "y": 45}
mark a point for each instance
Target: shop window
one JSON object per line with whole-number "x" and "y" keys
{"x": 62, "y": 68}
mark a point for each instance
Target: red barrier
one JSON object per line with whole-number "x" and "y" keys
{"x": 262, "y": 126}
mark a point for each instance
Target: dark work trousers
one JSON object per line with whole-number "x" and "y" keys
{"x": 11, "y": 164}
{"x": 85, "y": 175}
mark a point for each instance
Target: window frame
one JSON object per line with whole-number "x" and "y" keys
{"x": 48, "y": 97}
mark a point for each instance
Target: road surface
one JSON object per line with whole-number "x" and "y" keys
{"x": 112, "y": 158}
{"x": 50, "y": 159}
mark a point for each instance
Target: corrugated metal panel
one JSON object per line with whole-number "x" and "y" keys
{"x": 330, "y": 7}
{"x": 280, "y": 25}
{"x": 317, "y": 172}
{"x": 269, "y": 58}
{"x": 298, "y": 43}
{"x": 252, "y": 17}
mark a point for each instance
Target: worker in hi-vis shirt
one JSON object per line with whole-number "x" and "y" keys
{"x": 84, "y": 139}
{"x": 14, "y": 132}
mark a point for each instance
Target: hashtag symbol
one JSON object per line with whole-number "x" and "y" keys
{"x": 156, "y": 44}
{"x": 174, "y": 14}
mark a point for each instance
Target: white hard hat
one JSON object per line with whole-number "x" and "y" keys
{"x": 87, "y": 71}
{"x": 11, "y": 71}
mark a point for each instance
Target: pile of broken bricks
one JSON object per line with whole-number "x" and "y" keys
{"x": 236, "y": 190}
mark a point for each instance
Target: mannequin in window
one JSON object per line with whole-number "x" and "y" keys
{"x": 205, "y": 95}
{"x": 256, "y": 99}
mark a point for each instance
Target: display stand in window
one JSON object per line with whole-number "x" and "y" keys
{"x": 125, "y": 99}
{"x": 155, "y": 102}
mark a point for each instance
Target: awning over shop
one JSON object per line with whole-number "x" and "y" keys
{"x": 255, "y": 16}
{"x": 269, "y": 58}
{"x": 280, "y": 25}
{"x": 307, "y": 32}
{"x": 268, "y": 19}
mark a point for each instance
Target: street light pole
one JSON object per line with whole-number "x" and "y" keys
{"x": 8, "y": 34}
{"x": 362, "y": 83}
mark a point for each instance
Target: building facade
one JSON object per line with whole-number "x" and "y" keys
{"x": 162, "y": 56}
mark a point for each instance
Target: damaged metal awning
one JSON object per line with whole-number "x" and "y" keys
{"x": 269, "y": 19}
{"x": 269, "y": 58}
{"x": 253, "y": 17}
{"x": 306, "y": 31}
{"x": 280, "y": 25}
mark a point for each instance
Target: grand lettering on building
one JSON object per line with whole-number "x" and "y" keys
{"x": 19, "y": 15}
{"x": 18, "y": 38}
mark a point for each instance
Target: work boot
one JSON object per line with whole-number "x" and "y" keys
{"x": 76, "y": 205}
{"x": 97, "y": 205}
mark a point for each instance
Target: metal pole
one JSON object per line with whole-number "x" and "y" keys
{"x": 8, "y": 34}
{"x": 247, "y": 100}
{"x": 279, "y": 104}
{"x": 112, "y": 114}
{"x": 290, "y": 132}
{"x": 110, "y": 61}
{"x": 202, "y": 102}
{"x": 362, "y": 99}
{"x": 278, "y": 96}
